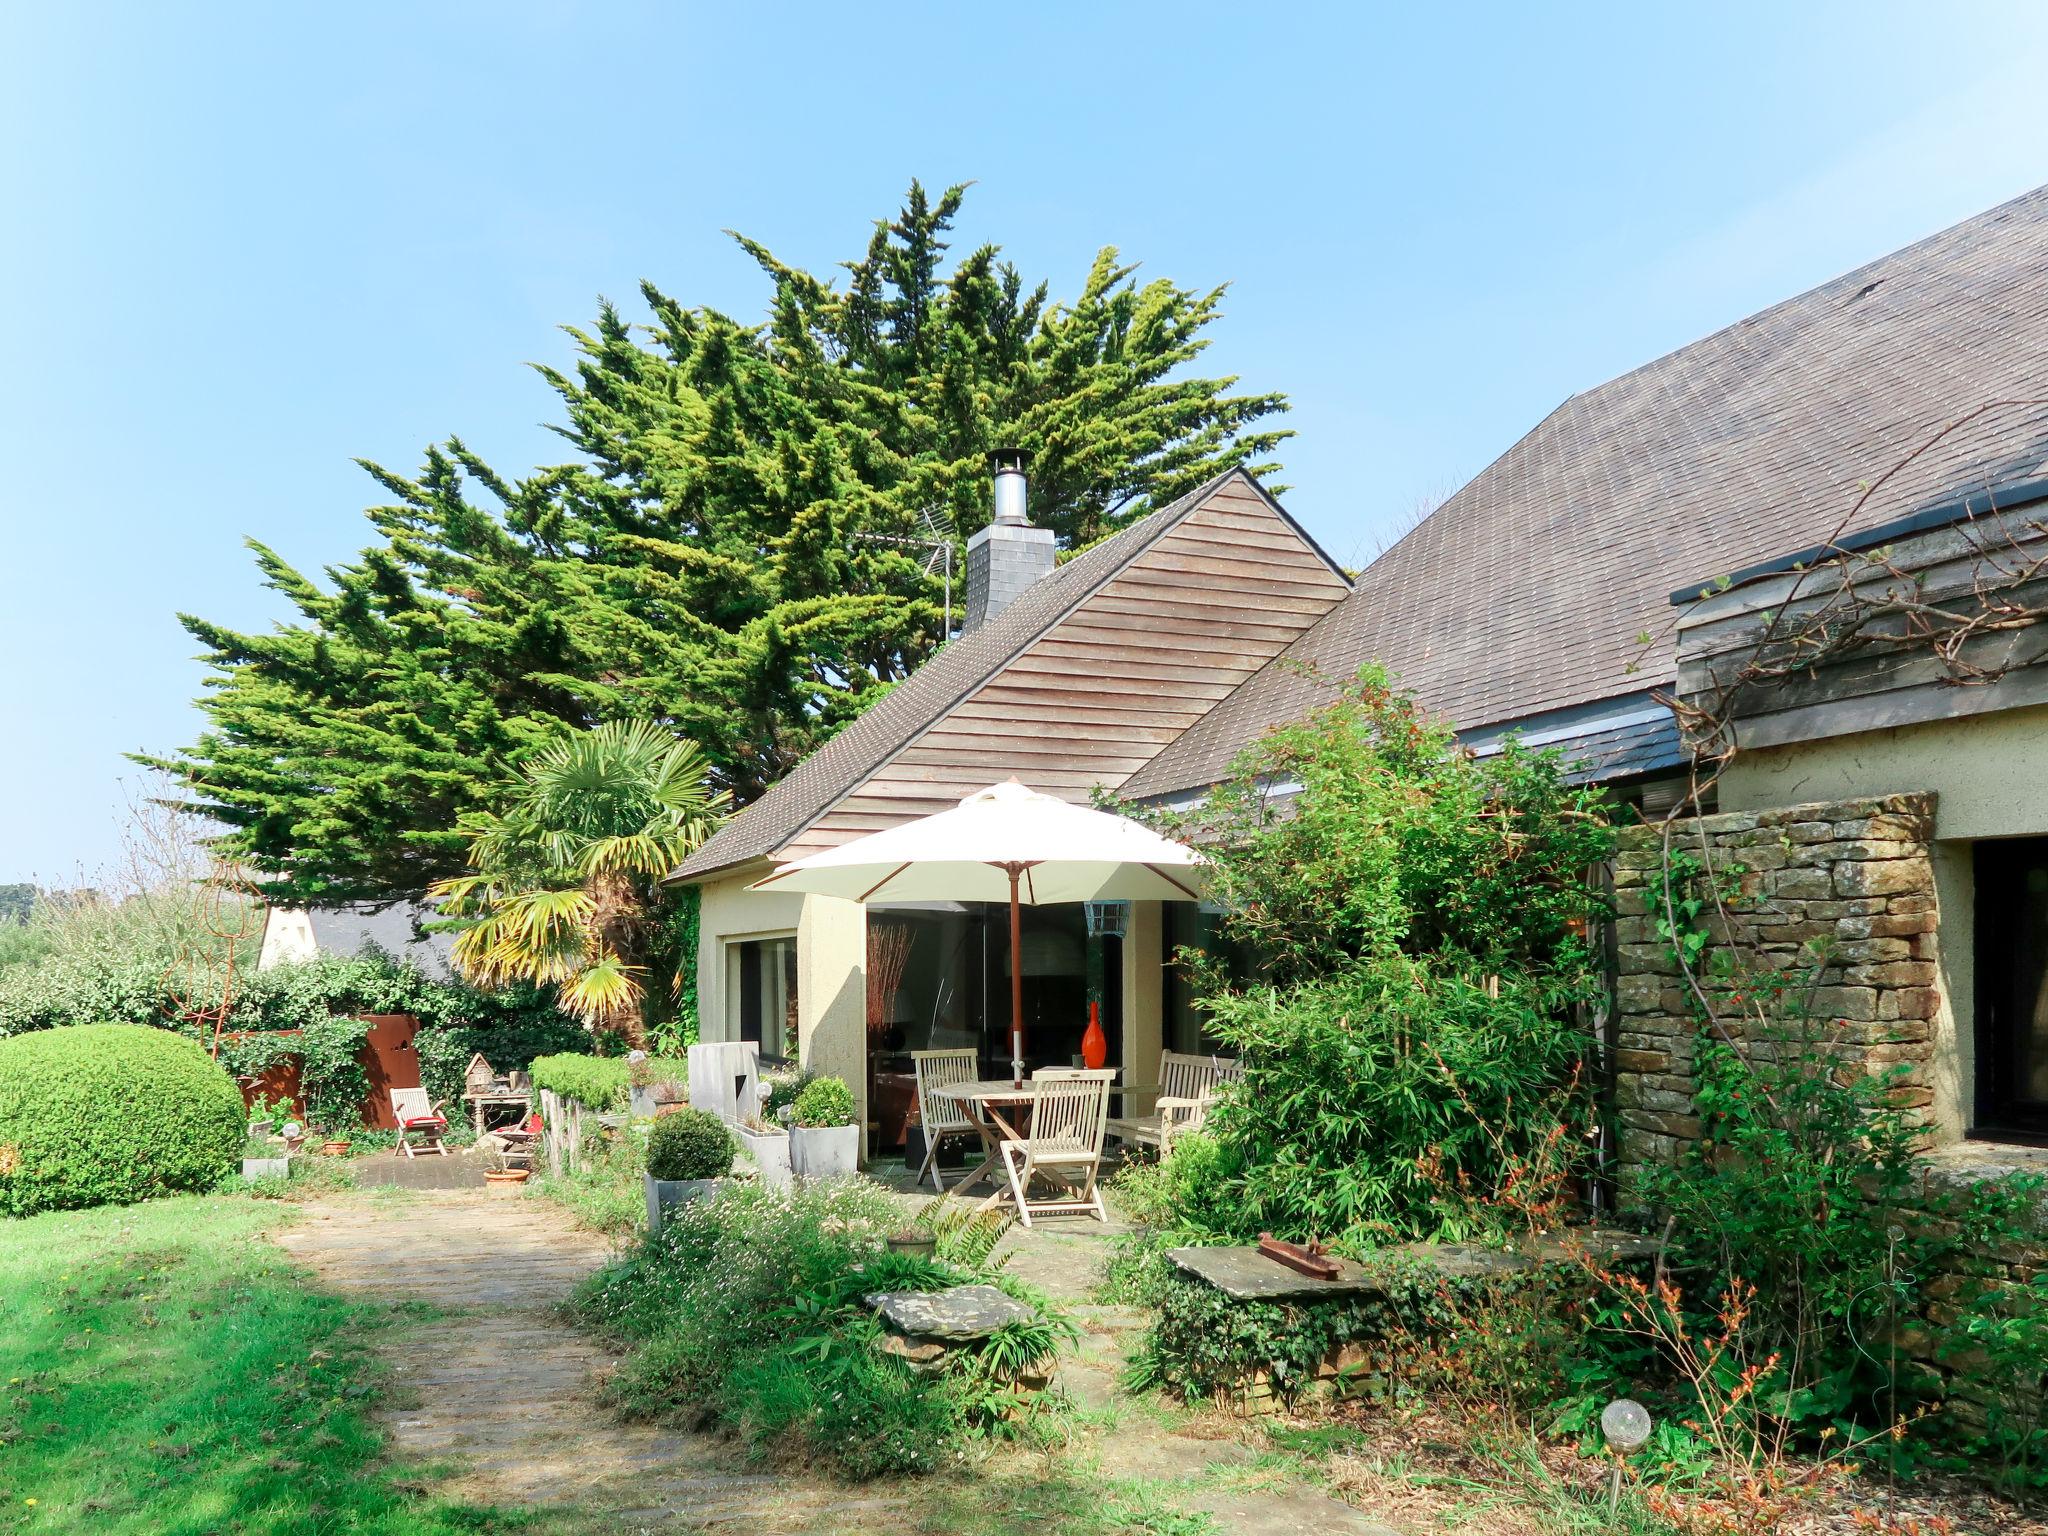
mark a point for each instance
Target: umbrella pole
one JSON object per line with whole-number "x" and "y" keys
{"x": 1016, "y": 982}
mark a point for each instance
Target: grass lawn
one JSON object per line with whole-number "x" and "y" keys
{"x": 163, "y": 1370}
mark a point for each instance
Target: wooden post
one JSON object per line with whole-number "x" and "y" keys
{"x": 551, "y": 1129}
{"x": 575, "y": 1135}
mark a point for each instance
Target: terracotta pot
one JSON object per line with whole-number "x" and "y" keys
{"x": 505, "y": 1181}
{"x": 334, "y": 1148}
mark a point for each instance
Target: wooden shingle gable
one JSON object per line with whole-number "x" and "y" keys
{"x": 1109, "y": 683}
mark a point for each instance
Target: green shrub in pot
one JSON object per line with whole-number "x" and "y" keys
{"x": 689, "y": 1144}
{"x": 825, "y": 1101}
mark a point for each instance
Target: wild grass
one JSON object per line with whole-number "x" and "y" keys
{"x": 165, "y": 1372}
{"x": 606, "y": 1194}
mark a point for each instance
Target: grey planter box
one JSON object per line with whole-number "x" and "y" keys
{"x": 824, "y": 1151}
{"x": 266, "y": 1167}
{"x": 770, "y": 1151}
{"x": 665, "y": 1195}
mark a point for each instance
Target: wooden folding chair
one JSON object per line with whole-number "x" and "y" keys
{"x": 940, "y": 1116}
{"x": 421, "y": 1125}
{"x": 1069, "y": 1113}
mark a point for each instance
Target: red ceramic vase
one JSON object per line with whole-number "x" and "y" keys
{"x": 1094, "y": 1046}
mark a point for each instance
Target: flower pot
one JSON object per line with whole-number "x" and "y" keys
{"x": 770, "y": 1152}
{"x": 266, "y": 1167}
{"x": 334, "y": 1148}
{"x": 914, "y": 1245}
{"x": 824, "y": 1151}
{"x": 505, "y": 1181}
{"x": 665, "y": 1195}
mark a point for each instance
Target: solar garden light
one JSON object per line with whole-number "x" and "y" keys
{"x": 1625, "y": 1425}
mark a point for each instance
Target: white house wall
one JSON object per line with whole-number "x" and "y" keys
{"x": 1990, "y": 776}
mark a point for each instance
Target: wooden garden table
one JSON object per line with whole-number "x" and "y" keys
{"x": 499, "y": 1098}
{"x": 985, "y": 1103}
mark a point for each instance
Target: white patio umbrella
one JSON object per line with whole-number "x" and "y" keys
{"x": 1003, "y": 843}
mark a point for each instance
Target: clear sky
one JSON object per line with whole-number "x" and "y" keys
{"x": 242, "y": 245}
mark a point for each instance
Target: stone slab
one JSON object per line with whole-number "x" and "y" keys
{"x": 1245, "y": 1274}
{"x": 964, "y": 1313}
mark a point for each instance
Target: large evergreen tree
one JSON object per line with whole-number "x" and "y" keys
{"x": 705, "y": 559}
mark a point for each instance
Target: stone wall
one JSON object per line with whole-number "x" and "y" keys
{"x": 1855, "y": 877}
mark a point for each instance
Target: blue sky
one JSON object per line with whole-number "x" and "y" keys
{"x": 245, "y": 245}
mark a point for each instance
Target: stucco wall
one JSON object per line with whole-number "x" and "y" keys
{"x": 1989, "y": 774}
{"x": 287, "y": 938}
{"x": 831, "y": 970}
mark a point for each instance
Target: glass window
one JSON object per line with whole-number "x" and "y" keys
{"x": 764, "y": 993}
{"x": 939, "y": 979}
{"x": 2012, "y": 985}
{"x": 1188, "y": 926}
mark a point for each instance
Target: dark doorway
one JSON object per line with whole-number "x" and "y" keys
{"x": 2012, "y": 987}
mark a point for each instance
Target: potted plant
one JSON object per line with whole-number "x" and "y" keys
{"x": 914, "y": 1242}
{"x": 824, "y": 1141}
{"x": 768, "y": 1146}
{"x": 689, "y": 1153}
{"x": 506, "y": 1181}
{"x": 262, "y": 1158}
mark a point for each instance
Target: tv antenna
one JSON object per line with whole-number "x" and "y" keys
{"x": 936, "y": 541}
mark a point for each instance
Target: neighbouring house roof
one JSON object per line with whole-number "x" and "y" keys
{"x": 1076, "y": 684}
{"x": 1524, "y": 594}
{"x": 346, "y": 931}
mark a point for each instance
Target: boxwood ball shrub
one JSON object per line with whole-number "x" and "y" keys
{"x": 825, "y": 1101}
{"x": 689, "y": 1144}
{"x": 107, "y": 1114}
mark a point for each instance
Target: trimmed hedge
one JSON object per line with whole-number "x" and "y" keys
{"x": 689, "y": 1144}
{"x": 599, "y": 1082}
{"x": 108, "y": 1114}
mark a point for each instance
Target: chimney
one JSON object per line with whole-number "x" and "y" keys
{"x": 1009, "y": 554}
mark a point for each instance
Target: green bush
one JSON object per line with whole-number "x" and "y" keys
{"x": 598, "y": 1082}
{"x": 825, "y": 1101}
{"x": 689, "y": 1144}
{"x": 1393, "y": 1099}
{"x": 749, "y": 1308}
{"x": 105, "y": 1114}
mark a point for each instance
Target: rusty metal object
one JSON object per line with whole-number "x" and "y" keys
{"x": 1309, "y": 1261}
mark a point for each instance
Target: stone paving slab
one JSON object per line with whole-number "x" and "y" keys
{"x": 502, "y": 1389}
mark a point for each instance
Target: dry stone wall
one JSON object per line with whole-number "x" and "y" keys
{"x": 1854, "y": 877}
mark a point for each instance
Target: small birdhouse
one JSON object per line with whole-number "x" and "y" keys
{"x": 479, "y": 1078}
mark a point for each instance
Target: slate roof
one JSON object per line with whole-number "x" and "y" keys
{"x": 1525, "y": 592}
{"x": 927, "y": 695}
{"x": 346, "y": 931}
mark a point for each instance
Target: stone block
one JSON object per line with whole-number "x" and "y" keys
{"x": 1895, "y": 973}
{"x": 1882, "y": 877}
{"x": 1876, "y": 848}
{"x": 1912, "y": 901}
{"x": 1795, "y": 884}
{"x": 1855, "y": 1003}
{"x": 1626, "y": 1060}
{"x": 1907, "y": 1004}
{"x": 1871, "y": 951}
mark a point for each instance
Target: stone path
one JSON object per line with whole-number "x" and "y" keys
{"x": 499, "y": 1390}
{"x": 494, "y": 1398}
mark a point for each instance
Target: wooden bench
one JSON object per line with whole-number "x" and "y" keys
{"x": 1187, "y": 1084}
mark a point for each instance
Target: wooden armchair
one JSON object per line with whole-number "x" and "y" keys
{"x": 942, "y": 1117}
{"x": 1187, "y": 1086}
{"x": 1069, "y": 1113}
{"x": 421, "y": 1125}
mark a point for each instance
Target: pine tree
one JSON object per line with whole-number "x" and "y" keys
{"x": 701, "y": 560}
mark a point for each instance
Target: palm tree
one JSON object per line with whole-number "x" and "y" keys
{"x": 565, "y": 884}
